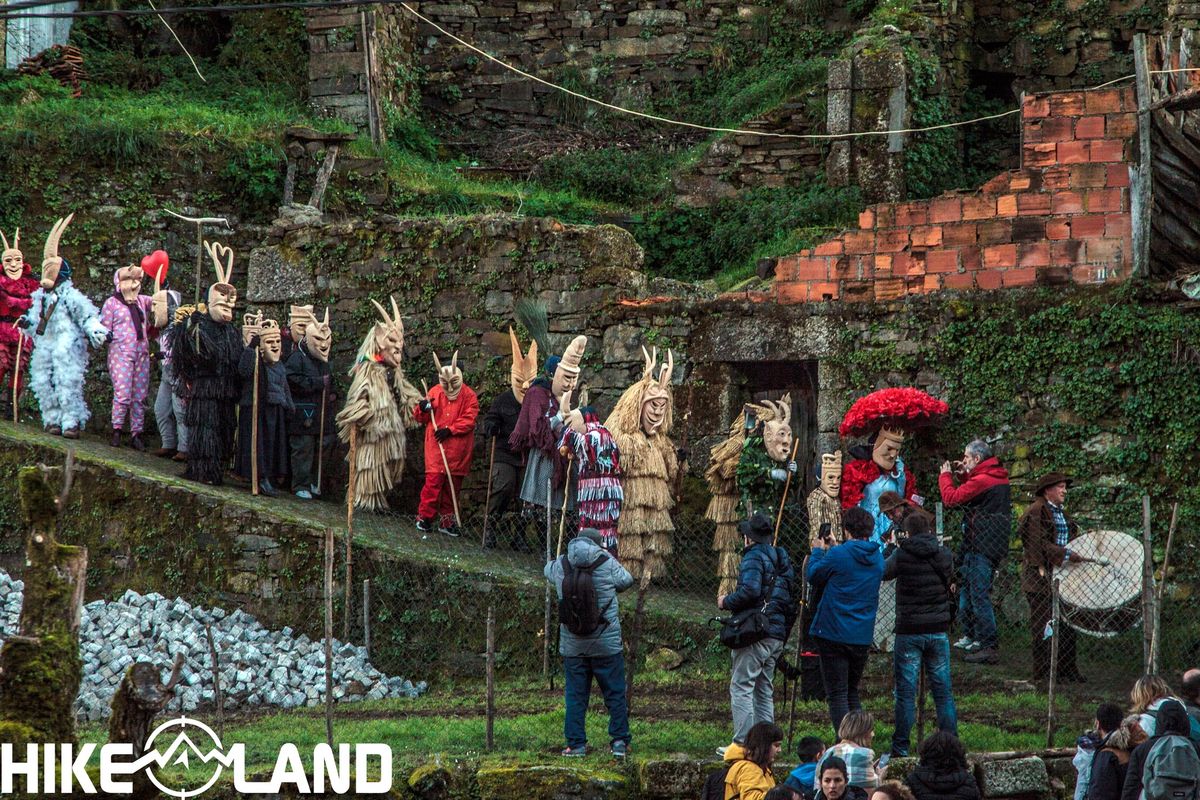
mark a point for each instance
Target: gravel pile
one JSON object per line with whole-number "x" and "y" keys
{"x": 258, "y": 667}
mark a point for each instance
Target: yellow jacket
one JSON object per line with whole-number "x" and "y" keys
{"x": 745, "y": 779}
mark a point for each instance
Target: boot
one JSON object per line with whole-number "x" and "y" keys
{"x": 54, "y": 430}
{"x": 265, "y": 487}
{"x": 115, "y": 441}
{"x": 163, "y": 452}
{"x": 135, "y": 441}
{"x": 489, "y": 532}
{"x": 180, "y": 456}
{"x": 71, "y": 433}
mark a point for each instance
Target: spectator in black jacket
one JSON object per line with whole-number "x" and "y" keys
{"x": 924, "y": 573}
{"x": 764, "y": 576}
{"x": 508, "y": 467}
{"x": 1109, "y": 765}
{"x": 835, "y": 784}
{"x": 942, "y": 772}
{"x": 1172, "y": 721}
{"x": 984, "y": 494}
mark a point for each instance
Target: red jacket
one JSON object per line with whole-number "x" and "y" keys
{"x": 986, "y": 475}
{"x": 459, "y": 416}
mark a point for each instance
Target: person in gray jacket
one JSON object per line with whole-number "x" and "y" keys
{"x": 597, "y": 654}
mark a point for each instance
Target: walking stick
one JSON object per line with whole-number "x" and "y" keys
{"x": 799, "y": 645}
{"x": 782, "y": 500}
{"x": 488, "y": 502}
{"x": 445, "y": 461}
{"x": 321, "y": 440}
{"x": 254, "y": 429}
{"x": 17, "y": 372}
{"x": 562, "y": 519}
{"x": 1051, "y": 722}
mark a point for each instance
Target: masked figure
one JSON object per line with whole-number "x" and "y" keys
{"x": 641, "y": 425}
{"x": 508, "y": 466}
{"x": 593, "y": 449}
{"x": 61, "y": 321}
{"x": 17, "y": 286}
{"x": 261, "y": 359}
{"x": 312, "y": 397}
{"x": 299, "y": 318}
{"x": 448, "y": 414}
{"x": 547, "y": 482}
{"x": 205, "y": 351}
{"x": 126, "y": 315}
{"x": 824, "y": 502}
{"x": 168, "y": 401}
{"x": 379, "y": 406}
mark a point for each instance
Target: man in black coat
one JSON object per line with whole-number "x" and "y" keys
{"x": 765, "y": 576}
{"x": 508, "y": 466}
{"x": 1172, "y": 721}
{"x": 310, "y": 381}
{"x": 924, "y": 574}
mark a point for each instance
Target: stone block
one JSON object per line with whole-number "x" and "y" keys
{"x": 670, "y": 779}
{"x": 549, "y": 783}
{"x": 656, "y": 16}
{"x": 271, "y": 278}
{"x": 1018, "y": 777}
{"x": 839, "y": 74}
{"x": 643, "y": 48}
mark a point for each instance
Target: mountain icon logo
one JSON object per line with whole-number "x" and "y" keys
{"x": 184, "y": 757}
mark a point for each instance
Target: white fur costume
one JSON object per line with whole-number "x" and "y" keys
{"x": 60, "y": 354}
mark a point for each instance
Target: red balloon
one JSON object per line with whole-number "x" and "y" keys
{"x": 156, "y": 264}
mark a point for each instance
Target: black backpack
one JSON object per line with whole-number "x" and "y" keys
{"x": 578, "y": 609}
{"x": 714, "y": 784}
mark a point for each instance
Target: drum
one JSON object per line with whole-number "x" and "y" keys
{"x": 1103, "y": 599}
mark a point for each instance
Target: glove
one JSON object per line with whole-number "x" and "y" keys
{"x": 791, "y": 467}
{"x": 425, "y": 405}
{"x": 442, "y": 434}
{"x": 254, "y": 341}
{"x": 108, "y": 337}
{"x": 489, "y": 430}
{"x": 681, "y": 454}
{"x": 23, "y": 323}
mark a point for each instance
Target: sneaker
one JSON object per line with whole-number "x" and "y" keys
{"x": 575, "y": 752}
{"x": 265, "y": 488}
{"x": 304, "y": 494}
{"x": 964, "y": 643}
{"x": 450, "y": 530}
{"x": 721, "y": 751}
{"x": 314, "y": 491}
{"x": 620, "y": 748}
{"x": 983, "y": 655}
{"x": 424, "y": 525}
{"x": 973, "y": 647}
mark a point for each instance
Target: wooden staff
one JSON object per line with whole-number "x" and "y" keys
{"x": 445, "y": 461}
{"x": 254, "y": 428}
{"x": 353, "y": 479}
{"x": 321, "y": 440}
{"x": 562, "y": 520}
{"x": 488, "y": 502}
{"x": 1051, "y": 721}
{"x": 17, "y": 372}
{"x": 787, "y": 484}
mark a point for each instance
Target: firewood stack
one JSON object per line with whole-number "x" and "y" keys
{"x": 64, "y": 63}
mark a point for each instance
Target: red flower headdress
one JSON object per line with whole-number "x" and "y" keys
{"x": 892, "y": 409}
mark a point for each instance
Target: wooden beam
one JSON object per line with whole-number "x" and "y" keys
{"x": 1142, "y": 199}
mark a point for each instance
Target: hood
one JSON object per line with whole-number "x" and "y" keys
{"x": 1172, "y": 719}
{"x": 941, "y": 782}
{"x": 117, "y": 281}
{"x": 735, "y": 752}
{"x": 863, "y": 551}
{"x": 992, "y": 468}
{"x": 582, "y": 552}
{"x": 923, "y": 545}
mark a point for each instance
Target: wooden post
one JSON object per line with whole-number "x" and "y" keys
{"x": 1147, "y": 585}
{"x": 323, "y": 175}
{"x": 216, "y": 671}
{"x": 562, "y": 516}
{"x": 329, "y": 636}
{"x": 16, "y": 370}
{"x": 367, "y": 615}
{"x": 491, "y": 676}
{"x": 1051, "y": 721}
{"x": 254, "y": 428}
{"x": 1156, "y": 631}
{"x": 1141, "y": 180}
{"x": 349, "y": 609}
{"x": 549, "y": 588}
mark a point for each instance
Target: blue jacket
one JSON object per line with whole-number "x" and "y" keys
{"x": 801, "y": 778}
{"x": 759, "y": 563}
{"x": 609, "y": 579}
{"x": 850, "y": 574}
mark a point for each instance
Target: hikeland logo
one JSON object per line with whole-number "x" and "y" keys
{"x": 184, "y": 758}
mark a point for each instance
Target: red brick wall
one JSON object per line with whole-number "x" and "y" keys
{"x": 1063, "y": 217}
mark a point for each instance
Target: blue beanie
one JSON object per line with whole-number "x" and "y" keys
{"x": 64, "y": 271}
{"x": 552, "y": 365}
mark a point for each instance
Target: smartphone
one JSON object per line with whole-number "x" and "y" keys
{"x": 883, "y": 761}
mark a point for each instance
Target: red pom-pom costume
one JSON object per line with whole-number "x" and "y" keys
{"x": 16, "y": 296}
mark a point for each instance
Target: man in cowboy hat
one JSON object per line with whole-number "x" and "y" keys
{"x": 1046, "y": 532}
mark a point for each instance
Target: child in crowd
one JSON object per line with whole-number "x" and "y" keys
{"x": 1108, "y": 719}
{"x": 804, "y": 777}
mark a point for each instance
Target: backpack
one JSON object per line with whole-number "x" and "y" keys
{"x": 578, "y": 609}
{"x": 1193, "y": 725}
{"x": 714, "y": 784}
{"x": 1172, "y": 770}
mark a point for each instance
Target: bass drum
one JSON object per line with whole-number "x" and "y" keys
{"x": 1103, "y": 599}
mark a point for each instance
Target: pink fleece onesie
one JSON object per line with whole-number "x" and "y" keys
{"x": 128, "y": 356}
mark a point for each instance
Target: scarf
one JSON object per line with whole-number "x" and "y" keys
{"x": 135, "y": 314}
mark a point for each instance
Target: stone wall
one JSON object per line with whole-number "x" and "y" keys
{"x": 1063, "y": 217}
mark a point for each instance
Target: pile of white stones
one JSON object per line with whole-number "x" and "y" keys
{"x": 257, "y": 666}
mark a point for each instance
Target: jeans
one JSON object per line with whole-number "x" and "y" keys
{"x": 609, "y": 672}
{"x": 975, "y": 600}
{"x": 914, "y": 650}
{"x": 842, "y": 667}
{"x": 751, "y": 685}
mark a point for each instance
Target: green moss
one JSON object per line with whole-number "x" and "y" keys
{"x": 38, "y": 505}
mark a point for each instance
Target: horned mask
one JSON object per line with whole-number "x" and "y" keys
{"x": 51, "y": 262}
{"x": 318, "y": 337}
{"x": 566, "y": 375}
{"x": 222, "y": 296}
{"x": 450, "y": 377}
{"x": 129, "y": 282}
{"x": 831, "y": 473}
{"x": 299, "y": 318}
{"x": 777, "y": 427}
{"x": 887, "y": 448}
{"x": 14, "y": 259}
{"x": 524, "y": 367}
{"x": 270, "y": 341}
{"x": 389, "y": 335}
{"x": 656, "y": 398}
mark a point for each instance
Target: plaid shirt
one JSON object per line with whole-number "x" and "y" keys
{"x": 1060, "y": 525}
{"x": 860, "y": 763}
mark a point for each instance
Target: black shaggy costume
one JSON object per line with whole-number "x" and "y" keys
{"x": 205, "y": 354}
{"x": 274, "y": 406}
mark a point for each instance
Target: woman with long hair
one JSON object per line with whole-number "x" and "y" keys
{"x": 749, "y": 776}
{"x": 1148, "y": 693}
{"x": 833, "y": 782}
{"x": 855, "y": 735}
{"x": 942, "y": 772}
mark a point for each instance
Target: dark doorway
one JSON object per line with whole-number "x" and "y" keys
{"x": 755, "y": 381}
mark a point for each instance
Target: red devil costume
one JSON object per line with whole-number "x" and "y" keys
{"x": 454, "y": 433}
{"x": 16, "y": 296}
